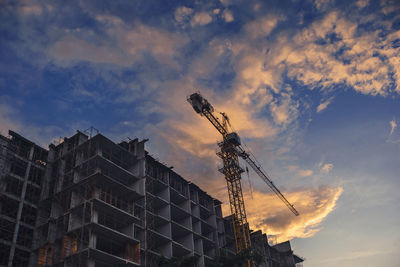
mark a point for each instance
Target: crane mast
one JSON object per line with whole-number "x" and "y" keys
{"x": 230, "y": 151}
{"x": 231, "y": 169}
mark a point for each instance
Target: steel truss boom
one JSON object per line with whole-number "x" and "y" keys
{"x": 251, "y": 160}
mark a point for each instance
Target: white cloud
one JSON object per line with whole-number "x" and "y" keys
{"x": 70, "y": 49}
{"x": 128, "y": 46}
{"x": 358, "y": 66}
{"x": 282, "y": 151}
{"x": 183, "y": 13}
{"x": 322, "y": 4}
{"x": 225, "y": 2}
{"x": 304, "y": 173}
{"x": 109, "y": 19}
{"x": 362, "y": 3}
{"x": 285, "y": 111}
{"x": 263, "y": 26}
{"x": 292, "y": 167}
{"x": 389, "y": 6}
{"x": 322, "y": 106}
{"x": 201, "y": 19}
{"x": 393, "y": 125}
{"x": 314, "y": 205}
{"x": 227, "y": 15}
{"x": 326, "y": 168}
{"x": 30, "y": 8}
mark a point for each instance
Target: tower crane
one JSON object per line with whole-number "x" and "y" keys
{"x": 230, "y": 151}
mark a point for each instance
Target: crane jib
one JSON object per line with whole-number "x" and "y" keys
{"x": 258, "y": 169}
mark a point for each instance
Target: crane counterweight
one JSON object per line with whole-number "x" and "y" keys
{"x": 199, "y": 103}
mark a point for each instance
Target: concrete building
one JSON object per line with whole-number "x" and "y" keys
{"x": 22, "y": 165}
{"x": 107, "y": 204}
{"x": 279, "y": 255}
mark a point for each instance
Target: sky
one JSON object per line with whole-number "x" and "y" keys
{"x": 312, "y": 88}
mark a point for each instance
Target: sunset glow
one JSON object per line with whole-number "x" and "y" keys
{"x": 312, "y": 88}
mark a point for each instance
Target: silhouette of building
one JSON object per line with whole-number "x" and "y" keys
{"x": 88, "y": 201}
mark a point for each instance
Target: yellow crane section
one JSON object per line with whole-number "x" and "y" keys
{"x": 230, "y": 151}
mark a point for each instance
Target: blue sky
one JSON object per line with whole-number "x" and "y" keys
{"x": 312, "y": 87}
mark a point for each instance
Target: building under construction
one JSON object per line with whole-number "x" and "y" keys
{"x": 88, "y": 201}
{"x": 22, "y": 168}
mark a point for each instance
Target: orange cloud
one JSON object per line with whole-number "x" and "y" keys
{"x": 357, "y": 67}
{"x": 265, "y": 211}
{"x": 326, "y": 168}
{"x": 129, "y": 45}
{"x": 323, "y": 105}
{"x": 304, "y": 173}
{"x": 201, "y": 19}
{"x": 189, "y": 143}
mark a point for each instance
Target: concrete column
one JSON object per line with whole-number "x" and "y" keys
{"x": 96, "y": 193}
{"x": 21, "y": 205}
{"x": 90, "y": 263}
{"x": 92, "y": 240}
{"x": 95, "y": 216}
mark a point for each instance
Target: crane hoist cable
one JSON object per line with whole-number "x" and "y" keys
{"x": 250, "y": 185}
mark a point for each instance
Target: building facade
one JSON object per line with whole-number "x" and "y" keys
{"x": 278, "y": 255}
{"x": 105, "y": 204}
{"x": 22, "y": 168}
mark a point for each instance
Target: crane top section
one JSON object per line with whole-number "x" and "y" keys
{"x": 204, "y": 108}
{"x": 200, "y": 104}
{"x": 232, "y": 142}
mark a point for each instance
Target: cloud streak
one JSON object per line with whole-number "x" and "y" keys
{"x": 128, "y": 45}
{"x": 393, "y": 126}
{"x": 267, "y": 212}
{"x": 327, "y": 168}
{"x": 322, "y": 106}
{"x": 332, "y": 52}
{"x": 304, "y": 173}
{"x": 201, "y": 19}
